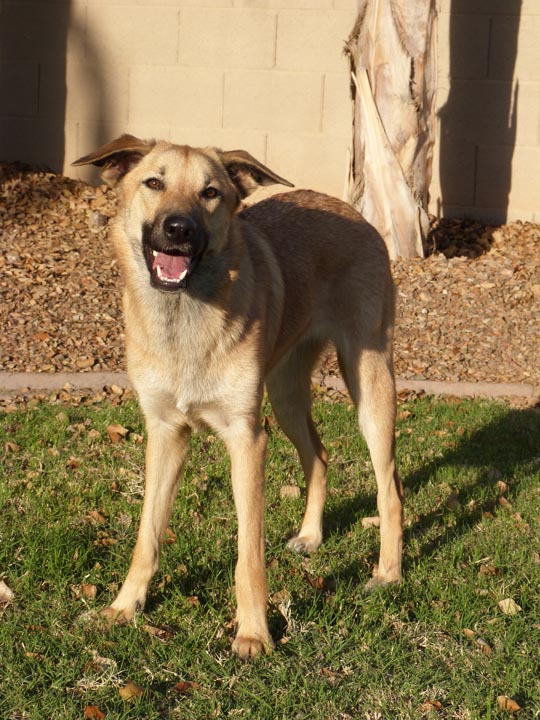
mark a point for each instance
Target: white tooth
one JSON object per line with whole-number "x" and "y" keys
{"x": 183, "y": 275}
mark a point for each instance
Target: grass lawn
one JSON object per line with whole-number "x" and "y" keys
{"x": 442, "y": 645}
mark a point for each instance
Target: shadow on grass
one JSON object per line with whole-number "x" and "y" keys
{"x": 504, "y": 449}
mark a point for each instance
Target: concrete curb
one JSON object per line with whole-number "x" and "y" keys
{"x": 455, "y": 389}
{"x": 11, "y": 383}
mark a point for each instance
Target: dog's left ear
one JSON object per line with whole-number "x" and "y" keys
{"x": 117, "y": 157}
{"x": 247, "y": 174}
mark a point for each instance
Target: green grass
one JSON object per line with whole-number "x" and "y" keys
{"x": 340, "y": 654}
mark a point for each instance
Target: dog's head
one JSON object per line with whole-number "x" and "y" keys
{"x": 177, "y": 201}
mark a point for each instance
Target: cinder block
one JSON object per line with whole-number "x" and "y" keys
{"x": 463, "y": 45}
{"x": 453, "y": 175}
{"x": 488, "y": 7}
{"x": 351, "y": 5}
{"x": 121, "y": 34}
{"x": 508, "y": 177}
{"x": 52, "y": 90}
{"x": 485, "y": 112}
{"x": 337, "y": 105}
{"x": 32, "y": 140}
{"x": 313, "y": 40}
{"x": 227, "y": 38}
{"x": 252, "y": 141}
{"x": 174, "y": 96}
{"x": 93, "y": 94}
{"x": 289, "y": 4}
{"x": 271, "y": 100}
{"x": 515, "y": 48}
{"x": 320, "y": 162}
{"x": 34, "y": 31}
{"x": 19, "y": 88}
{"x": 168, "y": 3}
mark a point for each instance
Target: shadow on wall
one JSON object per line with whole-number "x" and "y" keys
{"x": 478, "y": 122}
{"x": 34, "y": 76}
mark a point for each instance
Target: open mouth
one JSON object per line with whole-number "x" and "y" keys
{"x": 167, "y": 271}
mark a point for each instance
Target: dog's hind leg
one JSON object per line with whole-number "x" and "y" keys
{"x": 165, "y": 454}
{"x": 369, "y": 376}
{"x": 289, "y": 390}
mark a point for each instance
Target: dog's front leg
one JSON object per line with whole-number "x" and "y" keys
{"x": 166, "y": 450}
{"x": 246, "y": 443}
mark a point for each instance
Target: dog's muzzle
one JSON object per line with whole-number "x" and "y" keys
{"x": 172, "y": 248}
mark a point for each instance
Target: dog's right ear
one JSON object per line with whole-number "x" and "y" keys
{"x": 117, "y": 157}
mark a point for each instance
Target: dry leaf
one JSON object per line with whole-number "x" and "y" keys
{"x": 431, "y": 706}
{"x": 509, "y": 607}
{"x": 96, "y": 518}
{"x": 453, "y": 502}
{"x": 130, "y": 691}
{"x": 84, "y": 590}
{"x": 72, "y": 463}
{"x": 319, "y": 583}
{"x": 170, "y": 537}
{"x": 6, "y": 595}
{"x": 368, "y": 522}
{"x": 116, "y": 432}
{"x": 88, "y": 590}
{"x": 506, "y": 703}
{"x": 35, "y": 656}
{"x": 92, "y": 712}
{"x": 186, "y": 686}
{"x": 503, "y": 502}
{"x": 484, "y": 647}
{"x": 291, "y": 492}
{"x": 489, "y": 570}
{"x": 105, "y": 540}
{"x": 161, "y": 633}
{"x": 331, "y": 676}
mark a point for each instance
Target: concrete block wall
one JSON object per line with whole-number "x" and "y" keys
{"x": 487, "y": 160}
{"x": 268, "y": 76}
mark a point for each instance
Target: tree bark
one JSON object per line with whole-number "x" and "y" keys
{"x": 392, "y": 56}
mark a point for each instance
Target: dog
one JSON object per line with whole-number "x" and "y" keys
{"x": 222, "y": 299}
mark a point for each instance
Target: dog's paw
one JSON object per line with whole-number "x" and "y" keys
{"x": 251, "y": 647}
{"x": 379, "y": 583}
{"x": 112, "y": 616}
{"x": 304, "y": 544}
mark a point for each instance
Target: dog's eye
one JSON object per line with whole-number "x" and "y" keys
{"x": 210, "y": 193}
{"x": 154, "y": 184}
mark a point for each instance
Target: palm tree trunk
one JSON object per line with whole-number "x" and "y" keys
{"x": 392, "y": 56}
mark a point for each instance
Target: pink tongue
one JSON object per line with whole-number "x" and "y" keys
{"x": 172, "y": 266}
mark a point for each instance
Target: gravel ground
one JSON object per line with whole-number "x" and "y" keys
{"x": 468, "y": 312}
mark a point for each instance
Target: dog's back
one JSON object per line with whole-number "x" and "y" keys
{"x": 333, "y": 263}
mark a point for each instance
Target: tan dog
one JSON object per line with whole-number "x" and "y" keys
{"x": 219, "y": 301}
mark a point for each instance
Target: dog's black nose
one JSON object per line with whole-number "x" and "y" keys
{"x": 179, "y": 228}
